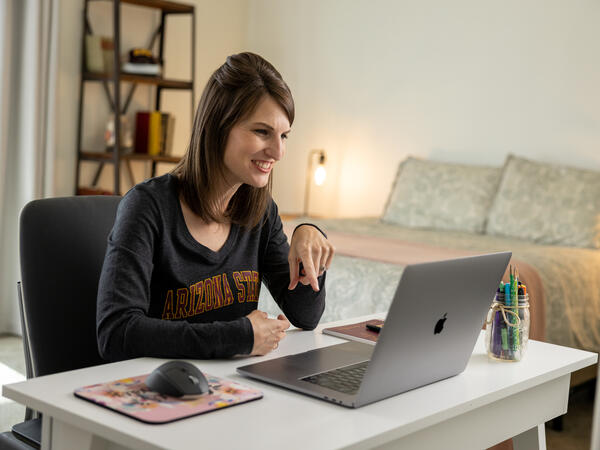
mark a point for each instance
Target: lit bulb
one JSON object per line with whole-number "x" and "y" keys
{"x": 320, "y": 175}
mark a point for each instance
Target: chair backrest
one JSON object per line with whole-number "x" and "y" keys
{"x": 62, "y": 247}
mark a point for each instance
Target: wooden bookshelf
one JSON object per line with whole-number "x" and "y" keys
{"x": 116, "y": 78}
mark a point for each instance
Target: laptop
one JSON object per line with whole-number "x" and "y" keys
{"x": 430, "y": 331}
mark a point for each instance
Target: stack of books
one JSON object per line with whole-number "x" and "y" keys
{"x": 141, "y": 62}
{"x": 154, "y": 133}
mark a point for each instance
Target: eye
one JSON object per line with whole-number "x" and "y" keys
{"x": 261, "y": 132}
{"x": 284, "y": 136}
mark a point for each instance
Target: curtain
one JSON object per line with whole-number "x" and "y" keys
{"x": 28, "y": 71}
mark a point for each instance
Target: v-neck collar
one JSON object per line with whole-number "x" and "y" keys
{"x": 209, "y": 254}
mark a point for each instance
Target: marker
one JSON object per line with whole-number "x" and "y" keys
{"x": 508, "y": 303}
{"x": 515, "y": 302}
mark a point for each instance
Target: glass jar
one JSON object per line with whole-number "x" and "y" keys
{"x": 507, "y": 329}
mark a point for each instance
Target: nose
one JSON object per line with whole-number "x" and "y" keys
{"x": 276, "y": 148}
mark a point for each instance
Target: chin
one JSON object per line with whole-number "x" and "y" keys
{"x": 259, "y": 183}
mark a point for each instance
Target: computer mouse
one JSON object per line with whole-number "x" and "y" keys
{"x": 177, "y": 378}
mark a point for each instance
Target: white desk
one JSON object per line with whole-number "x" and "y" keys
{"x": 489, "y": 402}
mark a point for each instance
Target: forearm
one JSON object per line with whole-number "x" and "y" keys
{"x": 133, "y": 335}
{"x": 302, "y": 306}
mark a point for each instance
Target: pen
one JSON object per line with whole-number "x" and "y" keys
{"x": 374, "y": 327}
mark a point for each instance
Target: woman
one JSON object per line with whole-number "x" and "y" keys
{"x": 189, "y": 249}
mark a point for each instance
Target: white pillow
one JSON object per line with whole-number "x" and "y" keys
{"x": 444, "y": 196}
{"x": 546, "y": 203}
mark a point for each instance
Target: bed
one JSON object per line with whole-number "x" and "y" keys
{"x": 547, "y": 215}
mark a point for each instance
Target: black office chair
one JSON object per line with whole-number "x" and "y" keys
{"x": 62, "y": 247}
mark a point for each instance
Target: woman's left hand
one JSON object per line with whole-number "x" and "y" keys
{"x": 314, "y": 251}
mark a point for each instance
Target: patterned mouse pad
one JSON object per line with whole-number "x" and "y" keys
{"x": 130, "y": 396}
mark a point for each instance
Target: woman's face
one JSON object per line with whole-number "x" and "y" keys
{"x": 255, "y": 144}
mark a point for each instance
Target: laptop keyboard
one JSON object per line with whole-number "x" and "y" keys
{"x": 345, "y": 379}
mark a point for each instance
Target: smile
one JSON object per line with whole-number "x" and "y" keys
{"x": 263, "y": 166}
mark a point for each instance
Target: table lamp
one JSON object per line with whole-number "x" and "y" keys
{"x": 317, "y": 176}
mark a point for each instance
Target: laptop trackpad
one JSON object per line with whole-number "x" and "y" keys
{"x": 327, "y": 358}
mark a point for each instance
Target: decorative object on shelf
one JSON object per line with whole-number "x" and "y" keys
{"x": 317, "y": 175}
{"x": 141, "y": 61}
{"x": 108, "y": 54}
{"x": 94, "y": 61}
{"x": 109, "y": 133}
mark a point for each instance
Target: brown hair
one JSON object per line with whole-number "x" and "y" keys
{"x": 232, "y": 93}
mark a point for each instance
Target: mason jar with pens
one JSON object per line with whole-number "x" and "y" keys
{"x": 507, "y": 325}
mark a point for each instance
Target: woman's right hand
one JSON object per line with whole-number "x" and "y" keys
{"x": 267, "y": 332}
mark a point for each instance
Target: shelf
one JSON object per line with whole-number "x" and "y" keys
{"x": 164, "y": 5}
{"x": 145, "y": 79}
{"x": 85, "y": 190}
{"x": 108, "y": 157}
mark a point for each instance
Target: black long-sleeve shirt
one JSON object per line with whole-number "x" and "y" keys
{"x": 163, "y": 294}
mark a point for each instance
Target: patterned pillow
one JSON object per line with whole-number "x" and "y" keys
{"x": 428, "y": 194}
{"x": 546, "y": 203}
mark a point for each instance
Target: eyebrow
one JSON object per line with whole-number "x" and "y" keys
{"x": 266, "y": 125}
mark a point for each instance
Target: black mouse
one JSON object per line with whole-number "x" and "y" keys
{"x": 177, "y": 378}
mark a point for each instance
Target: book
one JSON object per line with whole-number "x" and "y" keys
{"x": 164, "y": 124}
{"x": 142, "y": 120}
{"x": 356, "y": 331}
{"x": 141, "y": 69}
{"x": 131, "y": 397}
{"x": 168, "y": 149}
{"x": 154, "y": 133}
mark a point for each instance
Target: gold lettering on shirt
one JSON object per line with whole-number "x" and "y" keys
{"x": 168, "y": 309}
{"x": 211, "y": 293}
{"x": 180, "y": 306}
{"x": 196, "y": 293}
{"x": 217, "y": 291}
{"x": 239, "y": 283}
{"x": 227, "y": 289}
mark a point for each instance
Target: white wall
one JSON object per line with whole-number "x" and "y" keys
{"x": 220, "y": 31}
{"x": 376, "y": 80}
{"x": 462, "y": 80}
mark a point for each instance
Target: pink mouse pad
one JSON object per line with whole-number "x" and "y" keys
{"x": 130, "y": 396}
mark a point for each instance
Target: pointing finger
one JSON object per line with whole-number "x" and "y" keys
{"x": 294, "y": 268}
{"x": 311, "y": 274}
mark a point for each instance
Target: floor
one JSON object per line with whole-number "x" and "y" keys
{"x": 577, "y": 423}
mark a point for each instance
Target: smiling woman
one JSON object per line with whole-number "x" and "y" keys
{"x": 230, "y": 102}
{"x": 190, "y": 249}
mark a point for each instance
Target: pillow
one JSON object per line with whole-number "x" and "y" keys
{"x": 444, "y": 196}
{"x": 547, "y": 204}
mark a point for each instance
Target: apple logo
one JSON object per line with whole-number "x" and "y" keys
{"x": 439, "y": 326}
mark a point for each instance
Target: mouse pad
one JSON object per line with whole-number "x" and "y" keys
{"x": 130, "y": 396}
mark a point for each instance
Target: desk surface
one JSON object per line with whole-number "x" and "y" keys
{"x": 287, "y": 419}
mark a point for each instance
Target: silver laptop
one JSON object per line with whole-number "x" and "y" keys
{"x": 429, "y": 334}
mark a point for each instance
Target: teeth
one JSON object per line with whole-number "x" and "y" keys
{"x": 262, "y": 165}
